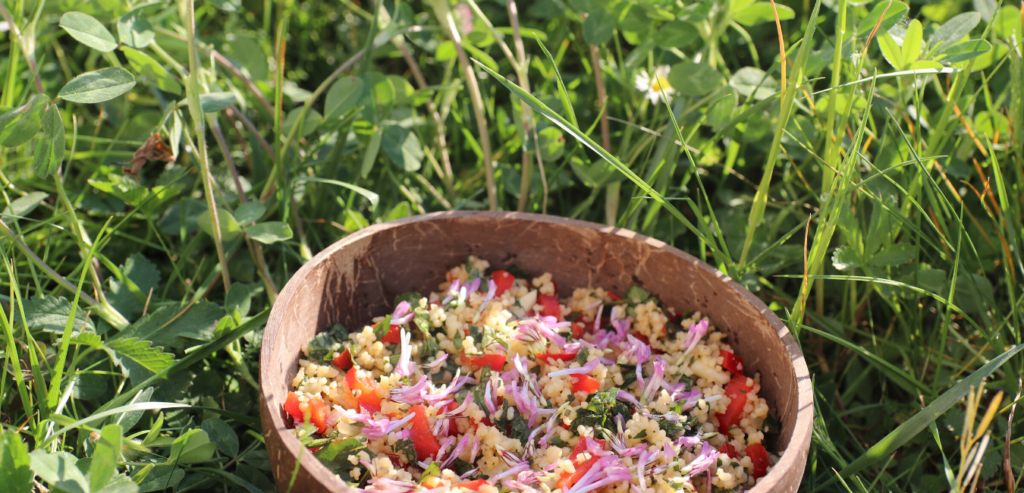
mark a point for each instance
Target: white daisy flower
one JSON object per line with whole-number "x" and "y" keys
{"x": 654, "y": 86}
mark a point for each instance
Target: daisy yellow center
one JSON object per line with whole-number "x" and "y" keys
{"x": 658, "y": 83}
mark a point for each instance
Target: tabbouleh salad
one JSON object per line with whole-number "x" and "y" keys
{"x": 495, "y": 383}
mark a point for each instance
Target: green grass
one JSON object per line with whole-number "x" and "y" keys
{"x": 876, "y": 210}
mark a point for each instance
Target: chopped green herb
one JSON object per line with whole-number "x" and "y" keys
{"x": 382, "y": 328}
{"x": 432, "y": 471}
{"x": 628, "y": 375}
{"x": 517, "y": 424}
{"x": 406, "y": 448}
{"x": 601, "y": 410}
{"x": 412, "y": 297}
{"x": 325, "y": 344}
{"x": 581, "y": 357}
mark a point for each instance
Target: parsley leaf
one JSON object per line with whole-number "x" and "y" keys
{"x": 406, "y": 448}
{"x": 581, "y": 357}
{"x": 382, "y": 328}
{"x": 516, "y": 427}
{"x": 628, "y": 375}
{"x": 325, "y": 344}
{"x": 601, "y": 410}
{"x": 412, "y": 297}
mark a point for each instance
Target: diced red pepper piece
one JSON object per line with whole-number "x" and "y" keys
{"x": 314, "y": 406}
{"x": 549, "y": 356}
{"x": 472, "y": 485}
{"x": 642, "y": 338}
{"x": 495, "y": 361}
{"x": 368, "y": 397}
{"x": 503, "y": 280}
{"x": 550, "y": 305}
{"x": 729, "y": 450}
{"x": 291, "y": 406}
{"x": 317, "y": 413}
{"x": 423, "y": 439}
{"x": 555, "y": 284}
{"x": 736, "y": 390}
{"x": 578, "y": 329}
{"x": 614, "y": 297}
{"x": 568, "y": 479}
{"x": 394, "y": 335}
{"x": 343, "y": 361}
{"x": 585, "y": 383}
{"x": 759, "y": 456}
{"x": 732, "y": 362}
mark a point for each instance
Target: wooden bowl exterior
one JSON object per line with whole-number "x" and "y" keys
{"x": 360, "y": 276}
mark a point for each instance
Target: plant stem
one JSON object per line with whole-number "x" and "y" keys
{"x": 103, "y": 309}
{"x": 444, "y": 16}
{"x": 195, "y": 109}
{"x": 611, "y": 199}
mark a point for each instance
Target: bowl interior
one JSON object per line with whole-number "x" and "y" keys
{"x": 360, "y": 276}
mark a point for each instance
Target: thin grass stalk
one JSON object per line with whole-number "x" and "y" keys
{"x": 447, "y": 21}
{"x": 65, "y": 341}
{"x": 447, "y": 174}
{"x": 195, "y": 109}
{"x": 12, "y": 352}
{"x": 788, "y": 97}
{"x": 837, "y": 73}
{"x": 326, "y": 84}
{"x": 612, "y": 190}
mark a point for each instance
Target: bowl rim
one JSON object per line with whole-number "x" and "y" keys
{"x": 794, "y": 455}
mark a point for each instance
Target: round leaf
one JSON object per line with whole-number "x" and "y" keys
{"x": 238, "y": 298}
{"x": 193, "y": 446}
{"x": 676, "y": 34}
{"x": 753, "y": 81}
{"x": 694, "y": 79}
{"x": 598, "y": 27}
{"x": 88, "y": 31}
{"x": 270, "y": 232}
{"x": 50, "y": 149}
{"x": 98, "y": 86}
{"x": 342, "y": 97}
{"x": 222, "y": 435}
{"x": 19, "y": 125}
{"x": 150, "y": 69}
{"x": 250, "y": 212}
{"x": 403, "y": 147}
{"x": 309, "y": 124}
{"x": 215, "y": 101}
{"x": 229, "y": 228}
{"x": 761, "y": 12}
{"x": 551, "y": 143}
{"x": 134, "y": 30}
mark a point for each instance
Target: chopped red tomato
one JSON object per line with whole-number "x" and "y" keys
{"x": 503, "y": 280}
{"x": 729, "y": 450}
{"x": 732, "y": 362}
{"x": 291, "y": 406}
{"x": 550, "y": 304}
{"x": 549, "y": 356}
{"x": 423, "y": 439}
{"x": 314, "y": 406}
{"x": 555, "y": 284}
{"x": 736, "y": 391}
{"x": 642, "y": 338}
{"x": 343, "y": 361}
{"x": 585, "y": 383}
{"x": 495, "y": 361}
{"x": 759, "y": 456}
{"x": 473, "y": 485}
{"x": 614, "y": 297}
{"x": 578, "y": 329}
{"x": 568, "y": 479}
{"x": 394, "y": 335}
{"x": 368, "y": 397}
